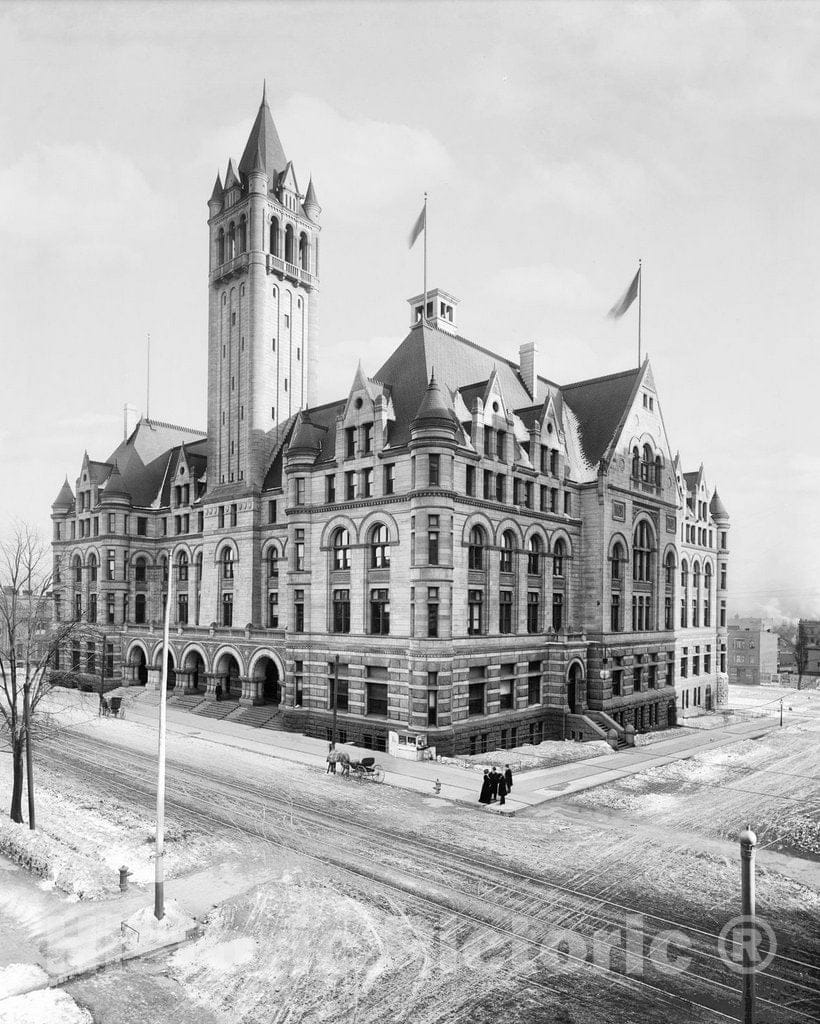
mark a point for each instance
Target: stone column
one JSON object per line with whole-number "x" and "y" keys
{"x": 130, "y": 675}
{"x": 211, "y": 680}
{"x": 154, "y": 679}
{"x": 252, "y": 691}
{"x": 185, "y": 681}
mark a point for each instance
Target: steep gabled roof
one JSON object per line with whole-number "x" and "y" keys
{"x": 600, "y": 404}
{"x": 142, "y": 458}
{"x": 263, "y": 145}
{"x": 115, "y": 486}
{"x": 65, "y": 499}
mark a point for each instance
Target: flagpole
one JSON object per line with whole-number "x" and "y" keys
{"x": 640, "y": 286}
{"x": 424, "y": 310}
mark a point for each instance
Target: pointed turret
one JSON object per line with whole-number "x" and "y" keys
{"x": 263, "y": 144}
{"x": 65, "y": 499}
{"x": 215, "y": 202}
{"x": 718, "y": 509}
{"x": 232, "y": 179}
{"x": 311, "y": 204}
{"x": 435, "y": 411}
{"x": 115, "y": 489}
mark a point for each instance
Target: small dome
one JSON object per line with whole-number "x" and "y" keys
{"x": 717, "y": 508}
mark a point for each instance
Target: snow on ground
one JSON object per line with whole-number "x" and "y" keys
{"x": 770, "y": 782}
{"x": 147, "y": 931}
{"x": 17, "y": 979}
{"x": 539, "y": 755}
{"x": 82, "y": 840}
{"x": 47, "y": 1006}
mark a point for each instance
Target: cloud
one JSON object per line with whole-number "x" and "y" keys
{"x": 86, "y": 200}
{"x": 358, "y": 164}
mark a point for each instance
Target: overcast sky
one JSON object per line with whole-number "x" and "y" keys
{"x": 558, "y": 142}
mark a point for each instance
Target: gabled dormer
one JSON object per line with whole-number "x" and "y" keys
{"x": 233, "y": 185}
{"x": 363, "y": 427}
{"x": 288, "y": 190}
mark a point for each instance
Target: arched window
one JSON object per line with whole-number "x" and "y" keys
{"x": 684, "y": 592}
{"x": 647, "y": 465}
{"x": 669, "y": 570}
{"x": 534, "y": 555}
{"x": 617, "y": 563}
{"x": 139, "y": 608}
{"x": 139, "y": 570}
{"x": 304, "y": 251}
{"x": 198, "y": 564}
{"x": 77, "y": 565}
{"x": 182, "y": 567}
{"x": 707, "y": 594}
{"x": 341, "y": 548}
{"x": 507, "y": 549}
{"x": 231, "y": 240}
{"x": 243, "y": 234}
{"x": 476, "y": 547}
{"x": 658, "y": 466}
{"x": 696, "y": 594}
{"x": 289, "y": 245}
{"x": 273, "y": 563}
{"x": 559, "y": 553}
{"x": 220, "y": 246}
{"x": 164, "y": 564}
{"x": 379, "y": 547}
{"x": 636, "y": 464}
{"x": 227, "y": 564}
{"x": 274, "y": 236}
{"x": 642, "y": 553}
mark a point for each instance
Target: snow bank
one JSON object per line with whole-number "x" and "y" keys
{"x": 48, "y": 1006}
{"x": 17, "y": 979}
{"x": 539, "y": 755}
{"x": 145, "y": 930}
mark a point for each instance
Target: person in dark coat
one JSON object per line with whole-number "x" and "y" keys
{"x": 495, "y": 778}
{"x": 508, "y": 776}
{"x": 502, "y": 790}
{"x": 484, "y": 797}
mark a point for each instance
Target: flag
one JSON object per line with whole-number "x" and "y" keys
{"x": 418, "y": 227}
{"x": 626, "y": 300}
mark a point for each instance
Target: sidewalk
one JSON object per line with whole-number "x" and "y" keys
{"x": 531, "y": 788}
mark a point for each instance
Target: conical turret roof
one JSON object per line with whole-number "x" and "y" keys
{"x": 263, "y": 145}
{"x": 115, "y": 488}
{"x": 65, "y": 499}
{"x": 435, "y": 410}
{"x": 311, "y": 203}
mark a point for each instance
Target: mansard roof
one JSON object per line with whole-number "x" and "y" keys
{"x": 143, "y": 458}
{"x": 263, "y": 145}
{"x": 600, "y": 405}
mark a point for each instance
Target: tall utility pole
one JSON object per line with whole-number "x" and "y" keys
{"x": 335, "y": 700}
{"x": 159, "y": 866}
{"x": 748, "y": 842}
{"x": 29, "y": 755}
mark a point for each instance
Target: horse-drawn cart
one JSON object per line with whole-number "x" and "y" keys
{"x": 367, "y": 769}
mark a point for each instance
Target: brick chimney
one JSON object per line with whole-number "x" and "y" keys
{"x": 528, "y": 360}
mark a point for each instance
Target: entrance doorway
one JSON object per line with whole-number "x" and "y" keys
{"x": 575, "y": 681}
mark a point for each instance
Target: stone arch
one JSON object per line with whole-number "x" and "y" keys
{"x": 267, "y": 671}
{"x": 194, "y": 663}
{"x": 229, "y": 666}
{"x": 537, "y": 530}
{"x": 226, "y": 542}
{"x": 561, "y": 534}
{"x": 477, "y": 519}
{"x": 371, "y": 519}
{"x": 228, "y": 649}
{"x": 503, "y": 527}
{"x": 619, "y": 538}
{"x": 576, "y": 685}
{"x": 670, "y": 549}
{"x": 345, "y": 522}
{"x": 188, "y": 651}
{"x": 136, "y": 660}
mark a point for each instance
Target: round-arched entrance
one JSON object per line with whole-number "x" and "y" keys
{"x": 266, "y": 672}
{"x": 194, "y": 665}
{"x": 138, "y": 661}
{"x": 228, "y": 669}
{"x": 575, "y": 687}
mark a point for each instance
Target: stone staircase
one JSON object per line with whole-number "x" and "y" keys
{"x": 264, "y": 716}
{"x": 215, "y": 709}
{"x": 188, "y": 701}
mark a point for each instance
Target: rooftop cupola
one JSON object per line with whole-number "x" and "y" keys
{"x": 441, "y": 310}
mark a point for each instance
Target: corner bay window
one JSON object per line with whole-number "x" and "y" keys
{"x": 474, "y": 616}
{"x": 227, "y": 609}
{"x": 299, "y": 551}
{"x": 299, "y": 611}
{"x": 432, "y": 611}
{"x": 273, "y": 610}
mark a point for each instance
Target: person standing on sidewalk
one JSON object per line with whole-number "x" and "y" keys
{"x": 508, "y": 777}
{"x": 502, "y": 790}
{"x": 495, "y": 778}
{"x": 484, "y": 797}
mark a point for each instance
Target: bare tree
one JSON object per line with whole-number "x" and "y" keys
{"x": 801, "y": 652}
{"x": 28, "y": 642}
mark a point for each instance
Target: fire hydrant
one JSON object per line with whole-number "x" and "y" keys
{"x": 124, "y": 873}
{"x": 437, "y": 787}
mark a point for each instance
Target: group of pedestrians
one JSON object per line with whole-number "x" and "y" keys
{"x": 496, "y": 785}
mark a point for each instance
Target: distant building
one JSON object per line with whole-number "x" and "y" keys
{"x": 811, "y": 628}
{"x": 786, "y": 663}
{"x": 753, "y": 656}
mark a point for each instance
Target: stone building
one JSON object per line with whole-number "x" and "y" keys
{"x": 492, "y": 557}
{"x": 753, "y": 655}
